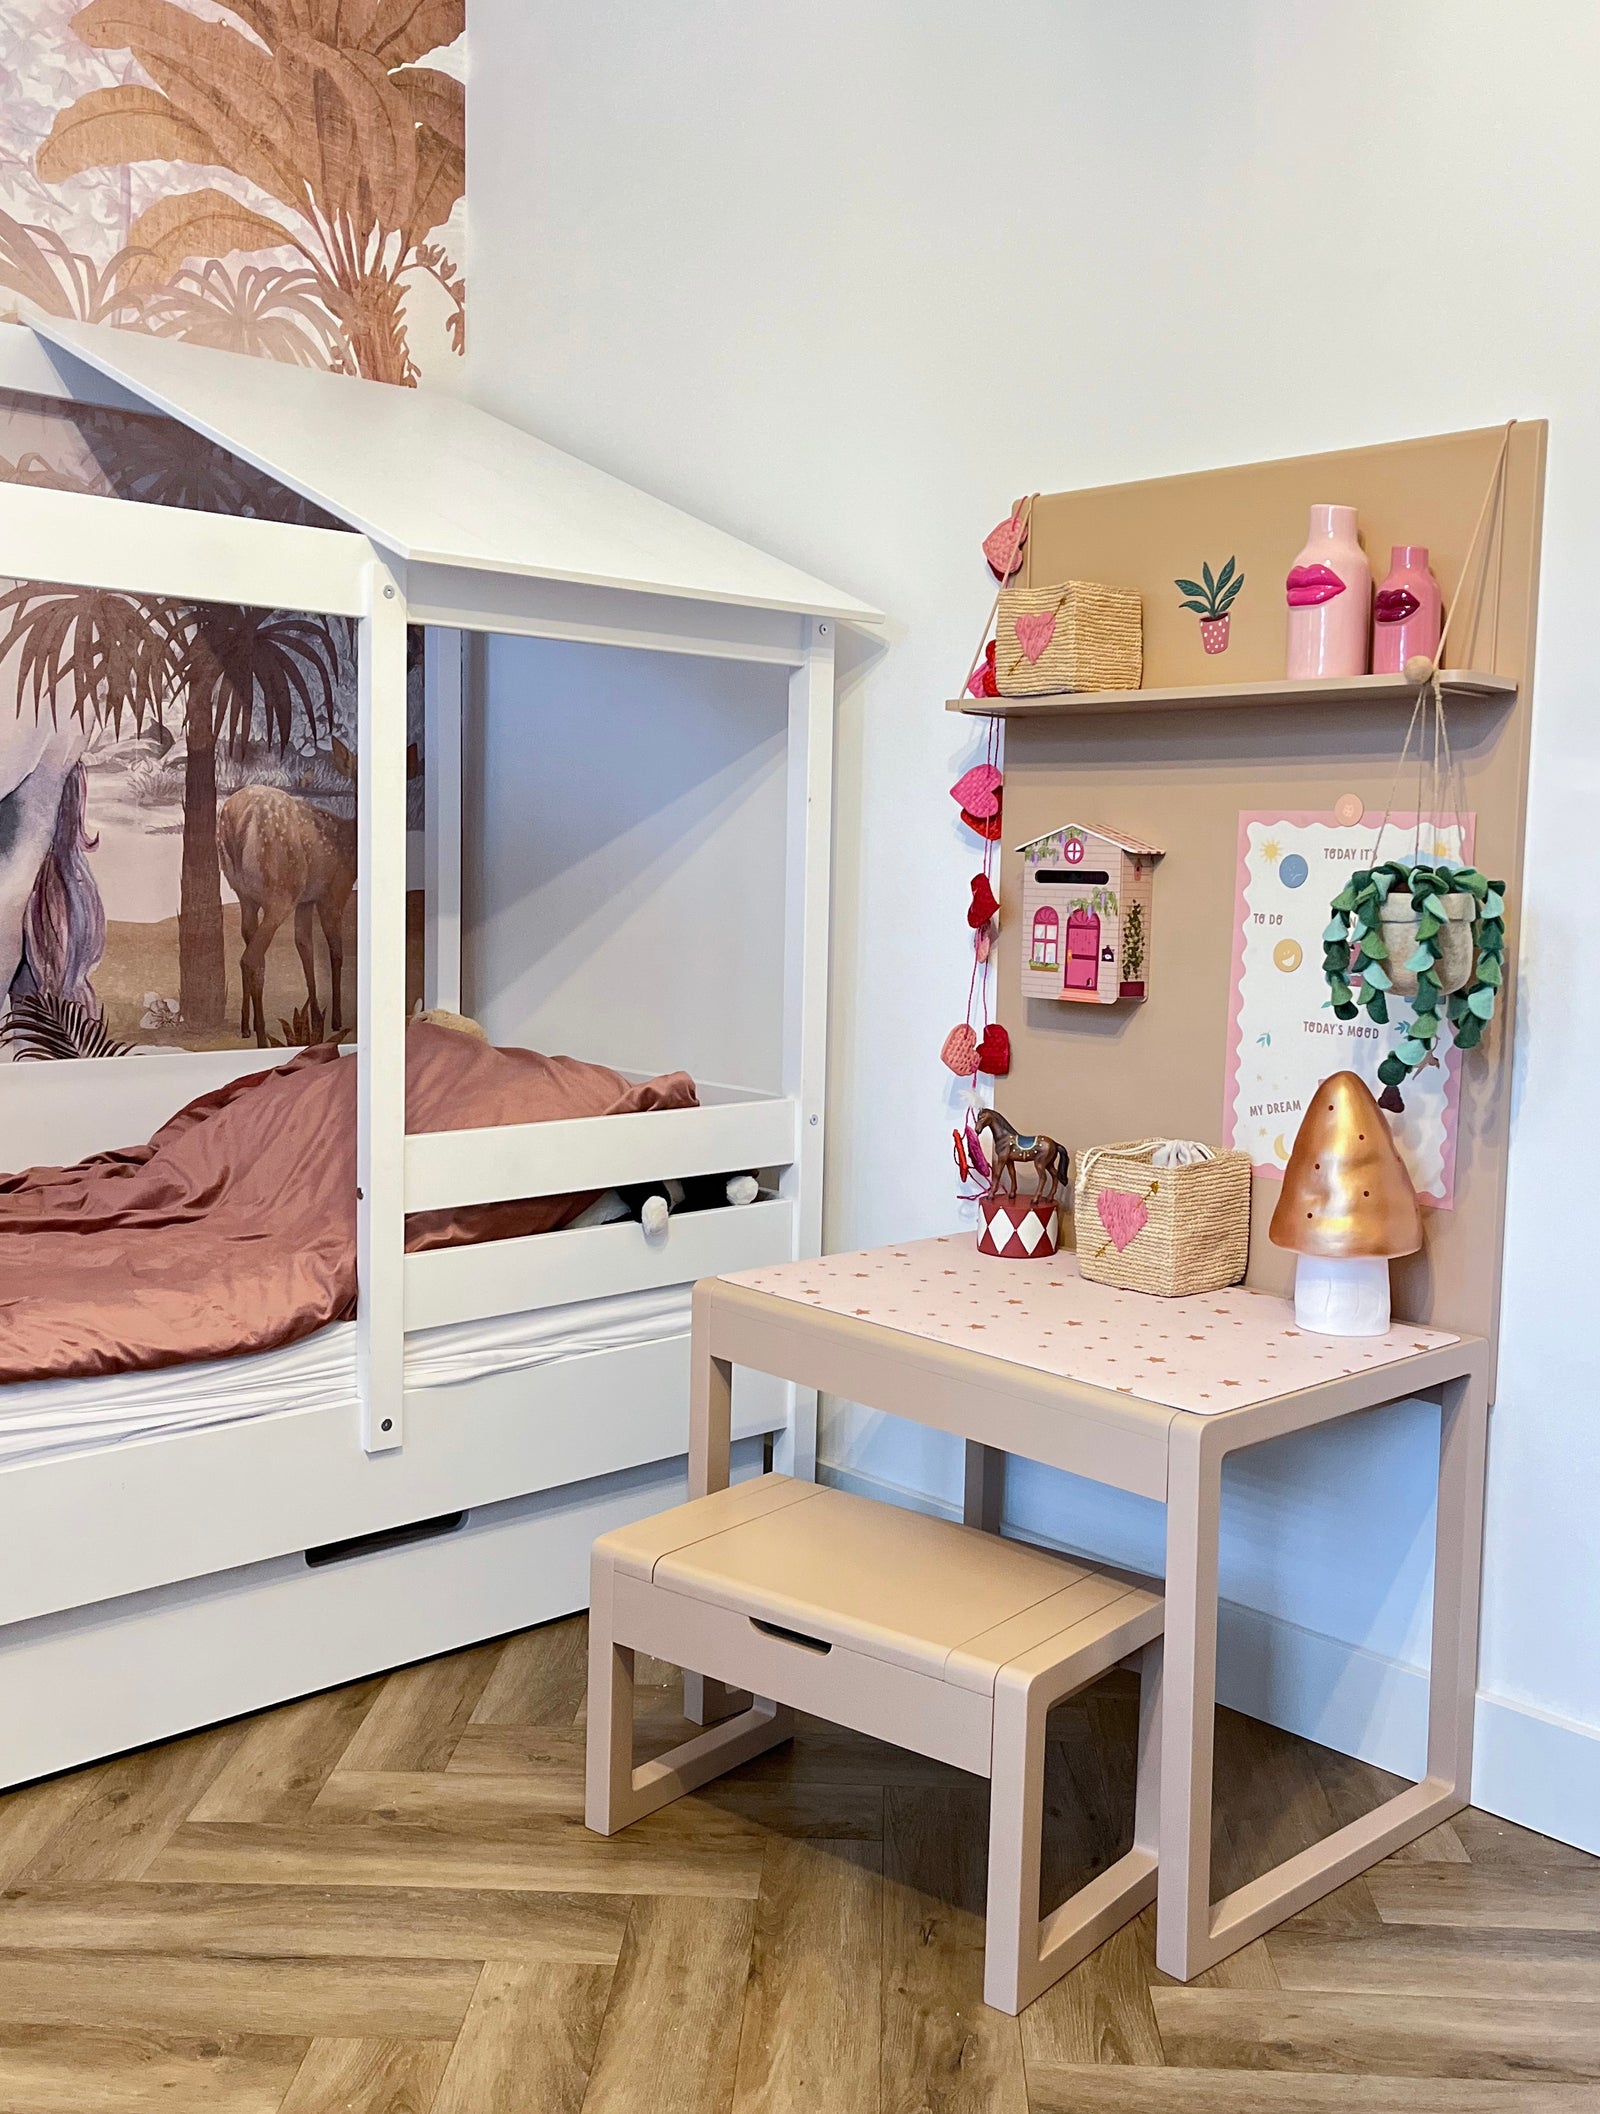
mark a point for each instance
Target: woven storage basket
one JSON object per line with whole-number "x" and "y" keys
{"x": 1168, "y": 1230}
{"x": 1078, "y": 636}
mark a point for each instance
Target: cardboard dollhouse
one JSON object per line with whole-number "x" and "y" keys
{"x": 1086, "y": 915}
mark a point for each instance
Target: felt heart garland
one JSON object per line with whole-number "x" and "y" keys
{"x": 977, "y": 792}
{"x": 994, "y": 1051}
{"x": 984, "y": 902}
{"x": 960, "y": 1051}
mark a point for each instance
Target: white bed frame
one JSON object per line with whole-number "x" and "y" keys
{"x": 150, "y": 1587}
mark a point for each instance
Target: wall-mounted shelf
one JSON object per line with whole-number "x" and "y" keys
{"x": 1457, "y": 683}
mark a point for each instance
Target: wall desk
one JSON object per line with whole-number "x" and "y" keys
{"x": 1147, "y": 1395}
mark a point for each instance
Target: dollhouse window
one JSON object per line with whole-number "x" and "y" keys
{"x": 1046, "y": 938}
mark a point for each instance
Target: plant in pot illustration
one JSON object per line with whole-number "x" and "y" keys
{"x": 1431, "y": 934}
{"x": 1212, "y": 599}
{"x": 1346, "y": 1209}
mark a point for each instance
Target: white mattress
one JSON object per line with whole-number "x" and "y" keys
{"x": 44, "y": 1419}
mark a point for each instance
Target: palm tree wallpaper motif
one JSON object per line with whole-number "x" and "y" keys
{"x": 278, "y": 177}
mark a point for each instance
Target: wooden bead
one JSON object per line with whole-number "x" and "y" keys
{"x": 1419, "y": 669}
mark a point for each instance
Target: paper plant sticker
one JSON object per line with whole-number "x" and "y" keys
{"x": 1212, "y": 597}
{"x": 1122, "y": 1214}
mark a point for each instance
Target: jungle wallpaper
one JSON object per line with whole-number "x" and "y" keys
{"x": 283, "y": 178}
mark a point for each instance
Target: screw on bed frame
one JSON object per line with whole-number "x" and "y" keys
{"x": 387, "y": 1424}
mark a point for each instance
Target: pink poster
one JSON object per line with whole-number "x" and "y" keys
{"x": 1283, "y": 1039}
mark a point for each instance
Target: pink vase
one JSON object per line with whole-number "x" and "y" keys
{"x": 1329, "y": 592}
{"x": 1406, "y": 611}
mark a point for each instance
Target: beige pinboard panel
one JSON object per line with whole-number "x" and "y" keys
{"x": 1090, "y": 1075}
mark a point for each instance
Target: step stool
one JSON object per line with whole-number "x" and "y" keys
{"x": 933, "y": 1636}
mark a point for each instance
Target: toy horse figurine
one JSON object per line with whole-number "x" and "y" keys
{"x": 1009, "y": 1148}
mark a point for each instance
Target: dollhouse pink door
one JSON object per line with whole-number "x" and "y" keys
{"x": 1083, "y": 951}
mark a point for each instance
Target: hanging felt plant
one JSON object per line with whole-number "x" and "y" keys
{"x": 1434, "y": 935}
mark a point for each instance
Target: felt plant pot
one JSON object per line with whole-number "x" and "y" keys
{"x": 1456, "y": 943}
{"x": 1078, "y": 636}
{"x": 1018, "y": 1228}
{"x": 1168, "y": 1230}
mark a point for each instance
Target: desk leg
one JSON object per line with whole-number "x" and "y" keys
{"x": 706, "y": 1702}
{"x": 983, "y": 1497}
{"x": 1189, "y": 1703}
{"x": 1192, "y": 1932}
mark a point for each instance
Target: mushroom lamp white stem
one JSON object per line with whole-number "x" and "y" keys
{"x": 1346, "y": 1208}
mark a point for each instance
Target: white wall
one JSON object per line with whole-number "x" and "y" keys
{"x": 846, "y": 279}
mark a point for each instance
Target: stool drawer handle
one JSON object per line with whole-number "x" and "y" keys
{"x": 776, "y": 1629}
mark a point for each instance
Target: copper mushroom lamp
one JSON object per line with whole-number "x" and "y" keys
{"x": 1347, "y": 1206}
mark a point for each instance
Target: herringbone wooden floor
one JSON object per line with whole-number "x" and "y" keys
{"x": 383, "y": 1901}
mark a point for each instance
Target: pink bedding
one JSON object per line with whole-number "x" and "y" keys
{"x": 233, "y": 1230}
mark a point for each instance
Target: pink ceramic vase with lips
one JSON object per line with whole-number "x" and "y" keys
{"x": 1329, "y": 592}
{"x": 1406, "y": 611}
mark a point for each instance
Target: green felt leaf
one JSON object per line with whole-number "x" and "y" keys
{"x": 1494, "y": 905}
{"x": 1490, "y": 971}
{"x": 1334, "y": 932}
{"x": 1469, "y": 1034}
{"x": 1335, "y": 960}
{"x": 1376, "y": 976}
{"x": 1345, "y": 900}
{"x": 1189, "y": 587}
{"x": 1428, "y": 926}
{"x": 1343, "y": 1009}
{"x": 1482, "y": 1003}
{"x": 1392, "y": 1072}
{"x": 1422, "y": 961}
{"x": 1425, "y": 1026}
{"x": 1434, "y": 905}
{"x": 1469, "y": 878}
{"x": 1375, "y": 947}
{"x": 1377, "y": 1010}
{"x": 1410, "y": 1053}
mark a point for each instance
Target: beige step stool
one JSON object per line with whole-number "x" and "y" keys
{"x": 933, "y": 1636}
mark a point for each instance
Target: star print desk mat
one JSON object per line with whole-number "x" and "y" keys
{"x": 1217, "y": 1350}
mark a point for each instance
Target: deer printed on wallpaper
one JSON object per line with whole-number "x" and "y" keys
{"x": 281, "y": 854}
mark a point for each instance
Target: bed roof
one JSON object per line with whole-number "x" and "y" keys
{"x": 437, "y": 481}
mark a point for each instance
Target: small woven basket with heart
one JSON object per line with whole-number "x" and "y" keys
{"x": 1078, "y": 636}
{"x": 1171, "y": 1230}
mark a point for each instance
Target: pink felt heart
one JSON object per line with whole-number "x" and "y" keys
{"x": 978, "y": 790}
{"x": 960, "y": 1051}
{"x": 1035, "y": 633}
{"x": 1122, "y": 1214}
{"x": 1003, "y": 545}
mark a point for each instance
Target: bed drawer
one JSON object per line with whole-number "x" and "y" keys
{"x": 549, "y": 1269}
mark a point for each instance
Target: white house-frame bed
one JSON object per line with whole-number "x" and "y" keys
{"x": 152, "y": 1585}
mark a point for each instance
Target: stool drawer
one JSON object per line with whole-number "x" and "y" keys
{"x": 893, "y": 1703}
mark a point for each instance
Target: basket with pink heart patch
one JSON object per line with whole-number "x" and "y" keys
{"x": 1157, "y": 1215}
{"x": 1078, "y": 636}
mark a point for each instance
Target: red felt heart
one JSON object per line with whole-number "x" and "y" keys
{"x": 983, "y": 681}
{"x": 978, "y": 790}
{"x": 987, "y": 826}
{"x": 960, "y": 1051}
{"x": 994, "y": 1052}
{"x": 1004, "y": 545}
{"x": 984, "y": 901}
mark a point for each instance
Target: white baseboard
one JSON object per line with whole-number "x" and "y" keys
{"x": 1530, "y": 1767}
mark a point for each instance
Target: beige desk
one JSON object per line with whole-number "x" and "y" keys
{"x": 1144, "y": 1395}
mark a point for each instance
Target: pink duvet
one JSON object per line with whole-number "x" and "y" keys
{"x": 233, "y": 1230}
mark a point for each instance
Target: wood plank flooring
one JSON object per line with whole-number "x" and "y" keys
{"x": 383, "y": 1901}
